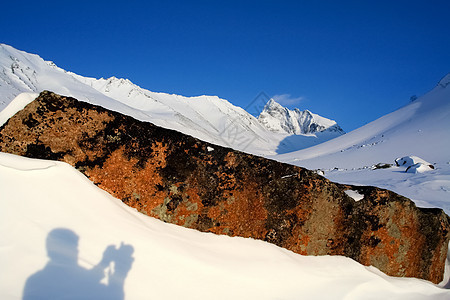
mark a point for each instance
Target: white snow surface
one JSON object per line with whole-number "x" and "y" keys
{"x": 18, "y": 104}
{"x": 408, "y": 161}
{"x": 355, "y": 195}
{"x": 419, "y": 129}
{"x": 419, "y": 168}
{"x": 208, "y": 118}
{"x": 414, "y": 164}
{"x": 168, "y": 261}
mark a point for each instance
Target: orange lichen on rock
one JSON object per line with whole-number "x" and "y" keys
{"x": 242, "y": 213}
{"x": 176, "y": 178}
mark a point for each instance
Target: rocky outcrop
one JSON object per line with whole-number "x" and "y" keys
{"x": 184, "y": 181}
{"x": 277, "y": 118}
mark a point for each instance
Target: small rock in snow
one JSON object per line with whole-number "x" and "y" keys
{"x": 320, "y": 172}
{"x": 414, "y": 164}
{"x": 419, "y": 168}
{"x": 381, "y": 166}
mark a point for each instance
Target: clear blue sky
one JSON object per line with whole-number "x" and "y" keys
{"x": 352, "y": 61}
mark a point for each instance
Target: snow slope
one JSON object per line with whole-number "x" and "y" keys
{"x": 168, "y": 261}
{"x": 421, "y": 128}
{"x": 206, "y": 117}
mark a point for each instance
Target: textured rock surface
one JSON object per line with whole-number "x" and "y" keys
{"x": 185, "y": 181}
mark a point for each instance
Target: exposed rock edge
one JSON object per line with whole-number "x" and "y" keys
{"x": 182, "y": 180}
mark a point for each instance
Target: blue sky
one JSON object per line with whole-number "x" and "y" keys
{"x": 351, "y": 61}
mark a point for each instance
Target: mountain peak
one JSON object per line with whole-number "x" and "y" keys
{"x": 278, "y": 118}
{"x": 272, "y": 104}
{"x": 206, "y": 117}
{"x": 445, "y": 81}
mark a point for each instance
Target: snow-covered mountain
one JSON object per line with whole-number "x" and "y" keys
{"x": 277, "y": 118}
{"x": 418, "y": 129}
{"x": 208, "y": 118}
{"x": 219, "y": 267}
{"x": 421, "y": 128}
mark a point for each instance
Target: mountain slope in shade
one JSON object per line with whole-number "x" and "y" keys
{"x": 206, "y": 117}
{"x": 421, "y": 128}
{"x": 167, "y": 261}
{"x": 277, "y": 118}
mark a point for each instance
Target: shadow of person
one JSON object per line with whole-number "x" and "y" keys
{"x": 63, "y": 278}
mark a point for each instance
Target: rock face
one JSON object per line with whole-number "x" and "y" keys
{"x": 277, "y": 118}
{"x": 182, "y": 180}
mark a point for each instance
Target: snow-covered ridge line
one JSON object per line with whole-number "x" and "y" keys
{"x": 419, "y": 129}
{"x": 208, "y": 118}
{"x": 445, "y": 81}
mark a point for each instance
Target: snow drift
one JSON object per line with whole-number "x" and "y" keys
{"x": 414, "y": 164}
{"x": 170, "y": 262}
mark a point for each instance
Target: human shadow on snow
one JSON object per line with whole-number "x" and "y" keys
{"x": 63, "y": 278}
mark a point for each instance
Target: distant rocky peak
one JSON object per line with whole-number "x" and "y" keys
{"x": 51, "y": 64}
{"x": 278, "y": 118}
{"x": 118, "y": 81}
{"x": 445, "y": 81}
{"x": 272, "y": 104}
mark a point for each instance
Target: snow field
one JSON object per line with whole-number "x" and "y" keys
{"x": 170, "y": 262}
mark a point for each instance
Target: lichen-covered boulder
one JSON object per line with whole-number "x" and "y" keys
{"x": 184, "y": 181}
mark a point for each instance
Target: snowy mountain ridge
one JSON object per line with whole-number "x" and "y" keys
{"x": 445, "y": 81}
{"x": 426, "y": 118}
{"x": 277, "y": 118}
{"x": 227, "y": 268}
{"x": 421, "y": 128}
{"x": 209, "y": 118}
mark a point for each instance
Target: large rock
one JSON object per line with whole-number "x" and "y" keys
{"x": 182, "y": 180}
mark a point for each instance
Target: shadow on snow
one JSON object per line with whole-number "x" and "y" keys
{"x": 63, "y": 278}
